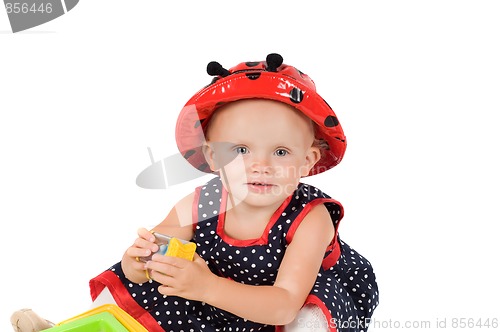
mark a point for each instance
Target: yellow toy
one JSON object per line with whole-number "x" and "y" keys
{"x": 183, "y": 250}
{"x": 171, "y": 246}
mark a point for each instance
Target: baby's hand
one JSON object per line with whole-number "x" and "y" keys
{"x": 181, "y": 277}
{"x": 143, "y": 246}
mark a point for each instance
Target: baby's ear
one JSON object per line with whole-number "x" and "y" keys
{"x": 209, "y": 154}
{"x": 312, "y": 157}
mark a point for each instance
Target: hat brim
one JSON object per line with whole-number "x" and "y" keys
{"x": 266, "y": 85}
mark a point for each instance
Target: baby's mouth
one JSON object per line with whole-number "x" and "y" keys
{"x": 260, "y": 187}
{"x": 260, "y": 184}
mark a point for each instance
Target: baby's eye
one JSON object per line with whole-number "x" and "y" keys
{"x": 281, "y": 152}
{"x": 241, "y": 150}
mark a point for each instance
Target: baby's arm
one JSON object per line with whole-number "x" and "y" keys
{"x": 178, "y": 223}
{"x": 274, "y": 305}
{"x": 279, "y": 304}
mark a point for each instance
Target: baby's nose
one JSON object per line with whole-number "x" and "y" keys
{"x": 261, "y": 165}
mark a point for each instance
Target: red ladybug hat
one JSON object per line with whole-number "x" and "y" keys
{"x": 270, "y": 79}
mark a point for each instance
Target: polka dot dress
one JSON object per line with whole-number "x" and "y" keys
{"x": 345, "y": 288}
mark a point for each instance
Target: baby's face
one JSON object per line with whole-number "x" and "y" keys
{"x": 261, "y": 148}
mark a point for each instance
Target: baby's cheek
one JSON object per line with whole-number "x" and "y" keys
{"x": 290, "y": 171}
{"x": 238, "y": 164}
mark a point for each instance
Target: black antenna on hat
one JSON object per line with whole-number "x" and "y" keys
{"x": 273, "y": 60}
{"x": 215, "y": 69}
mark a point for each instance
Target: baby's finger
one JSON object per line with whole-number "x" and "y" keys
{"x": 164, "y": 269}
{"x": 171, "y": 260}
{"x": 138, "y": 252}
{"x": 166, "y": 287}
{"x": 138, "y": 265}
{"x": 145, "y": 244}
{"x": 146, "y": 235}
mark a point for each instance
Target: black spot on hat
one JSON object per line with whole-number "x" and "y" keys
{"x": 252, "y": 63}
{"x": 189, "y": 153}
{"x": 296, "y": 95}
{"x": 331, "y": 121}
{"x": 203, "y": 167}
{"x": 252, "y": 76}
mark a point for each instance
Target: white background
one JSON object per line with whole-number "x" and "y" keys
{"x": 415, "y": 85}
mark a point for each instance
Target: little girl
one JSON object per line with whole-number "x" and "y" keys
{"x": 268, "y": 249}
